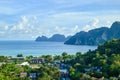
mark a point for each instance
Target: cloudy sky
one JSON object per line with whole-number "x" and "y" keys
{"x": 27, "y": 19}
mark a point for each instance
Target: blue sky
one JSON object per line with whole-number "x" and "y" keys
{"x": 27, "y": 19}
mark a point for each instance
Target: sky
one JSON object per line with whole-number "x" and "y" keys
{"x": 28, "y": 19}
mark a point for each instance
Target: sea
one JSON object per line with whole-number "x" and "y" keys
{"x": 27, "y": 48}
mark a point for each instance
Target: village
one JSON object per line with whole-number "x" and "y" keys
{"x": 35, "y": 63}
{"x": 35, "y": 66}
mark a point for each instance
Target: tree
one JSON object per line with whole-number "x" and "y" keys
{"x": 20, "y": 55}
{"x": 49, "y": 73}
{"x": 49, "y": 59}
{"x": 72, "y": 71}
{"x": 57, "y": 57}
{"x": 3, "y": 59}
{"x": 65, "y": 56}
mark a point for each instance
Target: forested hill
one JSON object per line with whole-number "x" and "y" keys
{"x": 109, "y": 47}
{"x": 96, "y": 36}
{"x": 100, "y": 64}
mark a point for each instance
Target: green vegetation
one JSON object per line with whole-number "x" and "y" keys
{"x": 3, "y": 59}
{"x": 49, "y": 73}
{"x": 12, "y": 72}
{"x": 102, "y": 63}
{"x": 19, "y": 55}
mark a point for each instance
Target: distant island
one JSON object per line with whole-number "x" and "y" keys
{"x": 95, "y": 36}
{"x": 54, "y": 38}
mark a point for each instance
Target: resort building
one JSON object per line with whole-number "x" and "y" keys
{"x": 36, "y": 60}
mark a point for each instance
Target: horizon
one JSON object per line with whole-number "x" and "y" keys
{"x": 26, "y": 20}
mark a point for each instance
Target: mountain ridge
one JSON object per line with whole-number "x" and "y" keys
{"x": 95, "y": 36}
{"x": 54, "y": 38}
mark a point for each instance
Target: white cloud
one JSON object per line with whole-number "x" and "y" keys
{"x": 92, "y": 25}
{"x": 65, "y": 30}
{"x": 29, "y": 27}
{"x": 2, "y": 32}
{"x": 86, "y": 28}
{"x": 24, "y": 19}
{"x": 3, "y": 25}
{"x": 20, "y": 26}
{"x": 26, "y": 25}
{"x": 95, "y": 23}
{"x": 75, "y": 29}
{"x": 13, "y": 28}
{"x": 6, "y": 28}
{"x": 60, "y": 29}
{"x": 25, "y": 28}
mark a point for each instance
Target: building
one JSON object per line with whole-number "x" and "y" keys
{"x": 64, "y": 74}
{"x": 33, "y": 75}
{"x": 63, "y": 71}
{"x": 57, "y": 61}
{"x": 24, "y": 64}
{"x": 36, "y": 60}
{"x": 2, "y": 63}
{"x": 18, "y": 59}
{"x": 23, "y": 74}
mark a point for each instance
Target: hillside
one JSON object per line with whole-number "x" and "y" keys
{"x": 100, "y": 64}
{"x": 96, "y": 36}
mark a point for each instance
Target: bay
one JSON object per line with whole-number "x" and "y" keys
{"x": 12, "y": 48}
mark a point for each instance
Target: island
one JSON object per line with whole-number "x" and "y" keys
{"x": 95, "y": 36}
{"x": 54, "y": 38}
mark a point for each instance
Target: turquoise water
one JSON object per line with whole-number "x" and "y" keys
{"x": 12, "y": 48}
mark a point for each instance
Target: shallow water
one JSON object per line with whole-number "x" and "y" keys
{"x": 12, "y": 48}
